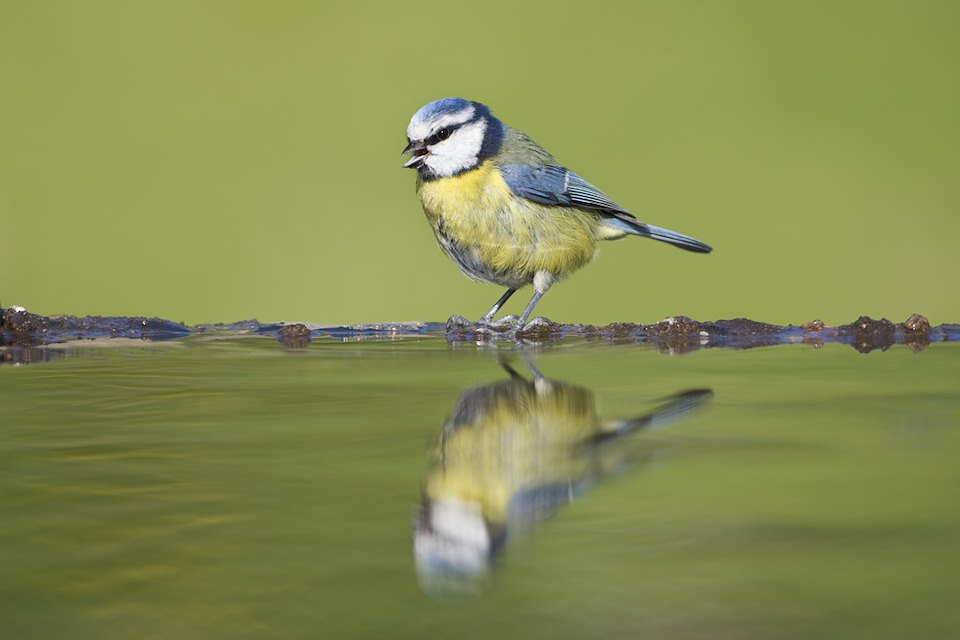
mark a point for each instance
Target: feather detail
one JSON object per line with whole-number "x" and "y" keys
{"x": 629, "y": 224}
{"x": 555, "y": 186}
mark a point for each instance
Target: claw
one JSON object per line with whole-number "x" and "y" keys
{"x": 538, "y": 323}
{"x": 506, "y": 322}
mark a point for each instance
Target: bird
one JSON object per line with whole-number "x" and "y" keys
{"x": 513, "y": 452}
{"x": 504, "y": 209}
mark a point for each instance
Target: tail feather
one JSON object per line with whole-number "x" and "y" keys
{"x": 634, "y": 227}
{"x": 676, "y": 239}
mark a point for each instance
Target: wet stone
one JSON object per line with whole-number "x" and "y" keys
{"x": 916, "y": 332}
{"x": 917, "y": 322}
{"x": 677, "y": 326}
{"x": 19, "y": 327}
{"x": 868, "y": 334}
{"x": 296, "y": 336}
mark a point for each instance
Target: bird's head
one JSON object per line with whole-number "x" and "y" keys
{"x": 450, "y": 136}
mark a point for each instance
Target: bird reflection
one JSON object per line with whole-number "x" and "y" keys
{"x": 510, "y": 455}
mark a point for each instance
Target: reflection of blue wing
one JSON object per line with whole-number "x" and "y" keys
{"x": 556, "y": 186}
{"x": 533, "y": 505}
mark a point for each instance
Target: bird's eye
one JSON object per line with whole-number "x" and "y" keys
{"x": 442, "y": 134}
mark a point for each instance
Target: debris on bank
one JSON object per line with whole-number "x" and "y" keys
{"x": 20, "y": 329}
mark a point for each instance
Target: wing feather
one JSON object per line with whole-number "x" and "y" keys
{"x": 557, "y": 186}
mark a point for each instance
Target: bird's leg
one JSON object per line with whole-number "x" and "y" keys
{"x": 530, "y": 305}
{"x": 541, "y": 282}
{"x": 485, "y": 320}
{"x": 527, "y": 360}
{"x": 532, "y": 368}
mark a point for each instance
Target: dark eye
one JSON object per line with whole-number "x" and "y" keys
{"x": 443, "y": 134}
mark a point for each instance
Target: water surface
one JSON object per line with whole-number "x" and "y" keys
{"x": 224, "y": 488}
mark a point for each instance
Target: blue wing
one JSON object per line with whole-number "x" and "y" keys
{"x": 556, "y": 186}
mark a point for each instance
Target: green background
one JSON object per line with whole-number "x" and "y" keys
{"x": 214, "y": 161}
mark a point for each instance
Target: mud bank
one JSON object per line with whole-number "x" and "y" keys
{"x": 20, "y": 330}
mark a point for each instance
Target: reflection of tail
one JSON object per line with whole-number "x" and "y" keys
{"x": 673, "y": 409}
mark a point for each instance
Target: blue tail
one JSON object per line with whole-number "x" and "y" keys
{"x": 634, "y": 227}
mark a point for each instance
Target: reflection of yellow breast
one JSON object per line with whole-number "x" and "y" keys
{"x": 516, "y": 438}
{"x": 477, "y": 215}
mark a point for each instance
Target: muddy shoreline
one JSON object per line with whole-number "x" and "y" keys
{"x": 21, "y": 329}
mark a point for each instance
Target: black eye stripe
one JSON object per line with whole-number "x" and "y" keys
{"x": 442, "y": 134}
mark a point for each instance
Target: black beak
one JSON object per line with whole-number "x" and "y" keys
{"x": 419, "y": 153}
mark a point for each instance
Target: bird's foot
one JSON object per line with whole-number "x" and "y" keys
{"x": 487, "y": 325}
{"x": 539, "y": 325}
{"x": 504, "y": 323}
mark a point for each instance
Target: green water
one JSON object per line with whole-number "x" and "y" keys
{"x": 231, "y": 488}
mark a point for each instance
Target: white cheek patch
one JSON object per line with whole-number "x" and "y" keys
{"x": 420, "y": 129}
{"x": 458, "y": 152}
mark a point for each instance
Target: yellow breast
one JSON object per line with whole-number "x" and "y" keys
{"x": 498, "y": 237}
{"x": 459, "y": 196}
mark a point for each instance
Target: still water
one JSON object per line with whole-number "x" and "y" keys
{"x": 231, "y": 488}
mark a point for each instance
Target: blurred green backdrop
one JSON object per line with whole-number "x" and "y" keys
{"x": 215, "y": 161}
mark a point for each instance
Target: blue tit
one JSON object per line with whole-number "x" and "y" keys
{"x": 512, "y": 453}
{"x": 504, "y": 209}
